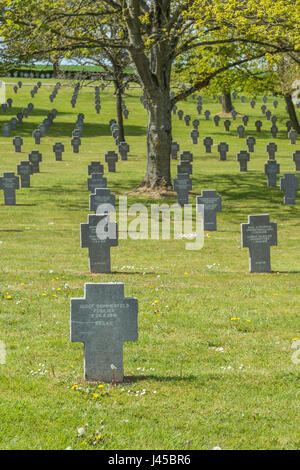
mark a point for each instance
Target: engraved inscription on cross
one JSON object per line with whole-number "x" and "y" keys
{"x": 259, "y": 235}
{"x": 211, "y": 203}
{"x": 289, "y": 184}
{"x": 103, "y": 320}
{"x": 9, "y": 183}
{"x": 99, "y": 235}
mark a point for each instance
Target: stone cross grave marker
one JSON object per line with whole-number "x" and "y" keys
{"x": 123, "y": 150}
{"x": 250, "y": 141}
{"x": 234, "y": 114}
{"x": 111, "y": 158}
{"x": 58, "y": 149}
{"x": 102, "y": 199}
{"x": 6, "y": 129}
{"x": 274, "y": 131}
{"x": 95, "y": 167}
{"x": 96, "y": 181}
{"x": 35, "y": 158}
{"x": 292, "y": 135}
{"x": 275, "y": 103}
{"x": 9, "y": 183}
{"x": 180, "y": 114}
{"x": 252, "y": 104}
{"x": 296, "y": 160}
{"x": 227, "y": 125}
{"x": 182, "y": 185}
{"x": 199, "y": 108}
{"x": 18, "y": 142}
{"x": 274, "y": 119}
{"x": 207, "y": 114}
{"x": 194, "y": 135}
{"x": 243, "y": 158}
{"x": 258, "y": 125}
{"x": 42, "y": 129}
{"x": 223, "y": 149}
{"x": 76, "y": 142}
{"x": 37, "y": 136}
{"x": 217, "y": 120}
{"x": 99, "y": 235}
{"x": 20, "y": 117}
{"x": 25, "y": 170}
{"x": 211, "y": 203}
{"x": 245, "y": 120}
{"x": 208, "y": 142}
{"x": 13, "y": 123}
{"x": 288, "y": 125}
{"x": 103, "y": 320}
{"x": 289, "y": 184}
{"x": 271, "y": 149}
{"x": 263, "y": 108}
{"x": 268, "y": 114}
{"x": 272, "y": 169}
{"x": 187, "y": 119}
{"x": 241, "y": 131}
{"x": 196, "y": 123}
{"x": 174, "y": 150}
{"x": 259, "y": 234}
{"x": 185, "y": 168}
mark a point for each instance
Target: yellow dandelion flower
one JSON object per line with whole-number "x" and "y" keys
{"x": 100, "y": 386}
{"x": 98, "y": 437}
{"x": 44, "y": 294}
{"x": 74, "y": 387}
{"x": 95, "y": 395}
{"x": 9, "y": 297}
{"x": 22, "y": 284}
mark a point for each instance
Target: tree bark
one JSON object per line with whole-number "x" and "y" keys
{"x": 227, "y": 105}
{"x": 56, "y": 70}
{"x": 118, "y": 91}
{"x": 159, "y": 138}
{"x": 292, "y": 112}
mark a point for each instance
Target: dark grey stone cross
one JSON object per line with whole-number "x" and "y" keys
{"x": 99, "y": 235}
{"x": 103, "y": 320}
{"x": 9, "y": 183}
{"x": 259, "y": 234}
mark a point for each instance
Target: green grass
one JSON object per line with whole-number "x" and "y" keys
{"x": 196, "y": 397}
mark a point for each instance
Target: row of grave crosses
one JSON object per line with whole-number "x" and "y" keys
{"x": 103, "y": 319}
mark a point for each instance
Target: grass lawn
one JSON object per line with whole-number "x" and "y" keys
{"x": 213, "y": 362}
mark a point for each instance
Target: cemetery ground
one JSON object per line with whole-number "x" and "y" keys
{"x": 213, "y": 362}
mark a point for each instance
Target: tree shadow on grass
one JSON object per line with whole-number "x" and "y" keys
{"x": 248, "y": 190}
{"x": 11, "y": 231}
{"x": 60, "y": 130}
{"x": 173, "y": 379}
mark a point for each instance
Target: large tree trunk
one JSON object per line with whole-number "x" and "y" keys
{"x": 118, "y": 91}
{"x": 227, "y": 105}
{"x": 159, "y": 138}
{"x": 56, "y": 70}
{"x": 292, "y": 112}
{"x": 154, "y": 70}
